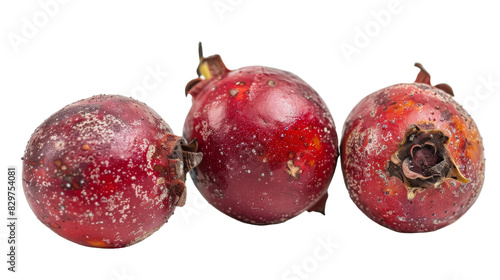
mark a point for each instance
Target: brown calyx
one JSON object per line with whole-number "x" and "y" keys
{"x": 190, "y": 155}
{"x": 423, "y": 161}
{"x": 181, "y": 157}
{"x": 425, "y": 78}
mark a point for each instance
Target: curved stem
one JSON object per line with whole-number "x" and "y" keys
{"x": 200, "y": 55}
{"x": 423, "y": 76}
{"x": 200, "y": 51}
{"x": 210, "y": 66}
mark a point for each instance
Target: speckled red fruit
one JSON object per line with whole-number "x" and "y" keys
{"x": 105, "y": 171}
{"x": 269, "y": 142}
{"x": 412, "y": 157}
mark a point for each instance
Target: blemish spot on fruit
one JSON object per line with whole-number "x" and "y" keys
{"x": 85, "y": 147}
{"x": 445, "y": 115}
{"x": 293, "y": 170}
{"x": 54, "y": 225}
{"x": 271, "y": 83}
{"x": 60, "y": 145}
{"x": 233, "y": 92}
{"x": 57, "y": 163}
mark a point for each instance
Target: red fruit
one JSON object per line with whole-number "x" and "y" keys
{"x": 106, "y": 171}
{"x": 412, "y": 157}
{"x": 269, "y": 142}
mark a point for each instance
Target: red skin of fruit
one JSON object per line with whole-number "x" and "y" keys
{"x": 269, "y": 144}
{"x": 372, "y": 134}
{"x": 97, "y": 173}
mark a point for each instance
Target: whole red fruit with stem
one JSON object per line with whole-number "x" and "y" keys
{"x": 268, "y": 140}
{"x": 106, "y": 171}
{"x": 412, "y": 157}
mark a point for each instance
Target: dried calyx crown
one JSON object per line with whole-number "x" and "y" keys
{"x": 422, "y": 159}
{"x": 181, "y": 157}
{"x": 208, "y": 67}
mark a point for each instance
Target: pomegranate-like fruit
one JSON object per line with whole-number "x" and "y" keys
{"x": 412, "y": 158}
{"x": 106, "y": 171}
{"x": 268, "y": 139}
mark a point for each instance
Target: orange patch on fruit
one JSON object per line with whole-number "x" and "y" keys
{"x": 97, "y": 243}
{"x": 240, "y": 91}
{"x": 315, "y": 142}
{"x": 399, "y": 110}
{"x": 389, "y": 191}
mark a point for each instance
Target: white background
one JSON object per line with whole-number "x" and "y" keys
{"x": 50, "y": 57}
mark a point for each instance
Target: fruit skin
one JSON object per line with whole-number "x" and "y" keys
{"x": 104, "y": 171}
{"x": 373, "y": 133}
{"x": 269, "y": 142}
